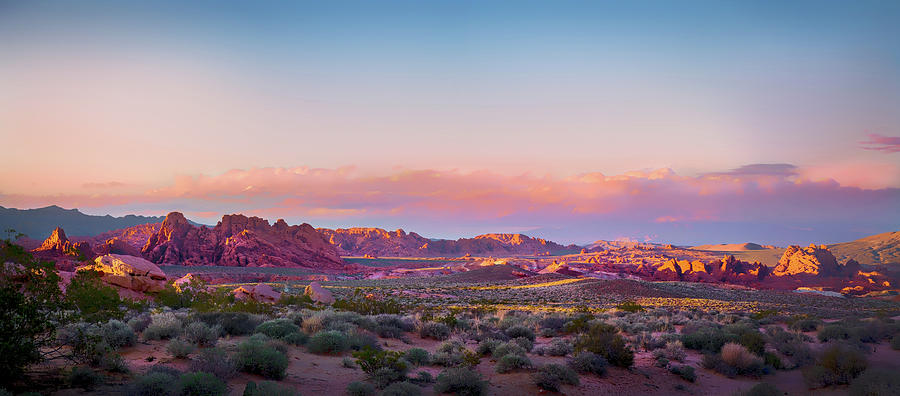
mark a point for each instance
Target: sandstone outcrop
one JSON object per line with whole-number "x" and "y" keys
{"x": 116, "y": 246}
{"x": 259, "y": 293}
{"x": 58, "y": 245}
{"x": 319, "y": 294}
{"x": 129, "y": 272}
{"x": 240, "y": 241}
{"x": 812, "y": 260}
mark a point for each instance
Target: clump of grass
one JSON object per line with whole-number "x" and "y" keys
{"x": 258, "y": 357}
{"x": 588, "y": 362}
{"x": 551, "y": 376}
{"x": 461, "y": 381}
{"x": 328, "y": 342}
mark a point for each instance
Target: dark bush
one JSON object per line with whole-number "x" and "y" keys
{"x": 762, "y": 389}
{"x": 805, "y": 324}
{"x": 685, "y": 372}
{"x": 269, "y": 388}
{"x": 360, "y": 389}
{"x": 588, "y": 362}
{"x": 876, "y": 382}
{"x": 833, "y": 332}
{"x": 179, "y": 349}
{"x": 520, "y": 331}
{"x": 328, "y": 342}
{"x": 154, "y": 384}
{"x": 559, "y": 347}
{"x": 838, "y": 365}
{"x": 84, "y": 378}
{"x": 630, "y": 306}
{"x": 437, "y": 331}
{"x": 605, "y": 341}
{"x": 707, "y": 339}
{"x": 278, "y": 328}
{"x": 895, "y": 343}
{"x": 214, "y": 361}
{"x": 512, "y": 362}
{"x": 117, "y": 334}
{"x": 257, "y": 357}
{"x": 417, "y": 356}
{"x": 201, "y": 384}
{"x": 461, "y": 381}
{"x": 233, "y": 323}
{"x": 402, "y": 389}
{"x": 551, "y": 376}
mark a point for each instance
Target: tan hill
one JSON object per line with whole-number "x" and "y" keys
{"x": 240, "y": 241}
{"x": 377, "y": 242}
{"x": 872, "y": 250}
{"x": 733, "y": 247}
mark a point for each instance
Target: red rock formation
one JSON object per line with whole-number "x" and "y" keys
{"x": 813, "y": 260}
{"x": 58, "y": 245}
{"x": 116, "y": 246}
{"x": 130, "y": 272}
{"x": 732, "y": 270}
{"x": 240, "y": 241}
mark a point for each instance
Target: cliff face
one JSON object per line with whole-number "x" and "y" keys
{"x": 58, "y": 245}
{"x": 379, "y": 242}
{"x": 240, "y": 241}
{"x": 813, "y": 261}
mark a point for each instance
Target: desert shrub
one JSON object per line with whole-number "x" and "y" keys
{"x": 179, "y": 349}
{"x": 417, "y": 356}
{"x": 139, "y": 322}
{"x": 523, "y": 342}
{"x": 559, "y": 347}
{"x": 233, "y": 323}
{"x": 402, "y": 389}
{"x": 371, "y": 360}
{"x": 588, "y": 362}
{"x": 895, "y": 343}
{"x": 832, "y": 332}
{"x": 772, "y": 360}
{"x": 837, "y": 365}
{"x": 551, "y": 376}
{"x": 358, "y": 339}
{"x": 392, "y": 326}
{"x": 520, "y": 331}
{"x": 154, "y": 384}
{"x": 630, "y": 306}
{"x": 95, "y": 300}
{"x": 269, "y": 388}
{"x": 297, "y": 338}
{"x": 792, "y": 346}
{"x": 762, "y": 389}
{"x": 201, "y": 384}
{"x": 605, "y": 341}
{"x": 805, "y": 324}
{"x": 347, "y": 362}
{"x": 84, "y": 378}
{"x": 685, "y": 372}
{"x": 87, "y": 345}
{"x": 487, "y": 346}
{"x": 876, "y": 382}
{"x": 357, "y": 388}
{"x": 662, "y": 362}
{"x": 368, "y": 306}
{"x": 554, "y": 324}
{"x": 578, "y": 323}
{"x": 117, "y": 334}
{"x": 256, "y": 357}
{"x": 214, "y": 361}
{"x": 201, "y": 334}
{"x": 162, "y": 326}
{"x": 673, "y": 351}
{"x": 509, "y": 348}
{"x": 707, "y": 339}
{"x": 461, "y": 381}
{"x": 423, "y": 377}
{"x": 437, "y": 331}
{"x": 512, "y": 362}
{"x": 278, "y": 328}
{"x": 328, "y": 342}
{"x": 738, "y": 357}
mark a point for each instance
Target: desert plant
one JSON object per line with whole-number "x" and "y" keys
{"x": 738, "y": 357}
{"x": 461, "y": 381}
{"x": 437, "y": 331}
{"x": 402, "y": 389}
{"x": 895, "y": 343}
{"x": 559, "y": 347}
{"x": 328, "y": 342}
{"x": 162, "y": 326}
{"x": 673, "y": 351}
{"x": 179, "y": 349}
{"x": 836, "y": 366}
{"x": 875, "y": 382}
{"x": 417, "y": 356}
{"x": 551, "y": 376}
{"x": 139, "y": 322}
{"x": 805, "y": 324}
{"x": 278, "y": 328}
{"x": 630, "y": 306}
{"x": 269, "y": 388}
{"x": 84, "y": 378}
{"x": 257, "y": 357}
{"x": 233, "y": 323}
{"x": 487, "y": 346}
{"x": 117, "y": 334}
{"x": 201, "y": 334}
{"x": 833, "y": 332}
{"x": 605, "y": 341}
{"x": 201, "y": 384}
{"x": 154, "y": 384}
{"x": 360, "y": 389}
{"x": 588, "y": 362}
{"x": 685, "y": 372}
{"x": 512, "y": 362}
{"x": 762, "y": 389}
{"x": 214, "y": 361}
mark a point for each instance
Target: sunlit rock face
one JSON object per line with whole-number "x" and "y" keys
{"x": 57, "y": 244}
{"x": 812, "y": 260}
{"x": 240, "y": 241}
{"x": 130, "y": 272}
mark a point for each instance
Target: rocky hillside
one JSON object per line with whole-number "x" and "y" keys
{"x": 871, "y": 250}
{"x": 240, "y": 241}
{"x": 377, "y": 242}
{"x": 37, "y": 223}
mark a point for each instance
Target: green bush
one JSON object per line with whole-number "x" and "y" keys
{"x": 162, "y": 326}
{"x": 559, "y": 347}
{"x": 520, "y": 331}
{"x": 706, "y": 339}
{"x": 214, "y": 361}
{"x": 461, "y": 381}
{"x": 402, "y": 389}
{"x": 84, "y": 378}
{"x": 838, "y": 365}
{"x": 180, "y": 349}
{"x": 360, "y": 389}
{"x": 278, "y": 328}
{"x": 588, "y": 362}
{"x": 359, "y": 339}
{"x": 154, "y": 384}
{"x": 117, "y": 334}
{"x": 437, "y": 331}
{"x": 509, "y": 348}
{"x": 368, "y": 306}
{"x": 512, "y": 362}
{"x": 762, "y": 389}
{"x": 805, "y": 324}
{"x": 605, "y": 341}
{"x": 297, "y": 338}
{"x": 417, "y": 356}
{"x": 895, "y": 343}
{"x": 202, "y": 334}
{"x": 269, "y": 388}
{"x": 257, "y": 357}
{"x": 630, "y": 306}
{"x": 328, "y": 342}
{"x": 685, "y": 372}
{"x": 95, "y": 300}
{"x": 551, "y": 376}
{"x": 875, "y": 382}
{"x": 201, "y": 384}
{"x": 232, "y": 323}
{"x": 487, "y": 346}
{"x": 833, "y": 332}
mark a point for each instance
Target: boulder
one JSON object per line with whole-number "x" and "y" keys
{"x": 129, "y": 272}
{"x": 812, "y": 260}
{"x": 260, "y": 292}
{"x": 319, "y": 294}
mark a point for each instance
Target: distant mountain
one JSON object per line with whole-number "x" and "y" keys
{"x": 39, "y": 223}
{"x": 872, "y": 250}
{"x": 733, "y": 247}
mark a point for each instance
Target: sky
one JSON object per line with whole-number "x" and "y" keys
{"x": 683, "y": 122}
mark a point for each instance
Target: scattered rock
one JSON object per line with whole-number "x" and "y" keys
{"x": 319, "y": 294}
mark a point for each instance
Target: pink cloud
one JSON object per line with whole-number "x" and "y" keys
{"x": 888, "y": 144}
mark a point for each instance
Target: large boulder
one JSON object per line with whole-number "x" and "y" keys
{"x": 812, "y": 260}
{"x": 319, "y": 294}
{"x": 129, "y": 272}
{"x": 260, "y": 292}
